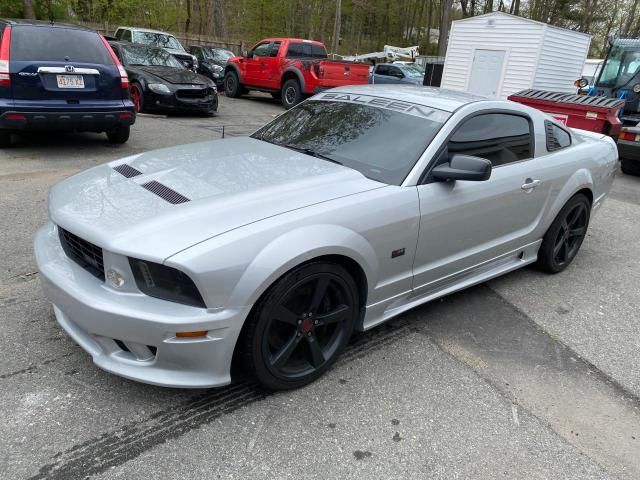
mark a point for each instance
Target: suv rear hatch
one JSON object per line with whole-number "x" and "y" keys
{"x": 55, "y": 66}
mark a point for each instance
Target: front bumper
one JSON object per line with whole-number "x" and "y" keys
{"x": 103, "y": 320}
{"x": 89, "y": 121}
{"x": 176, "y": 103}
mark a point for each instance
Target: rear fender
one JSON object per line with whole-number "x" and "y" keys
{"x": 580, "y": 180}
{"x": 299, "y": 246}
{"x": 290, "y": 71}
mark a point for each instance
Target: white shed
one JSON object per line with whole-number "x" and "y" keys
{"x": 498, "y": 54}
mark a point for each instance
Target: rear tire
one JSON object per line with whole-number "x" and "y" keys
{"x": 5, "y": 139}
{"x": 119, "y": 135}
{"x": 561, "y": 243}
{"x": 291, "y": 93}
{"x": 299, "y": 327}
{"x": 630, "y": 167}
{"x": 232, "y": 86}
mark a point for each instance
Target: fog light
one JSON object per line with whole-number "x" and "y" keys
{"x": 115, "y": 278}
{"x": 201, "y": 333}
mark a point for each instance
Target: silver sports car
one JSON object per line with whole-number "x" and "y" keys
{"x": 343, "y": 212}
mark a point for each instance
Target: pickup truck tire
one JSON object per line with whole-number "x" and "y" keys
{"x": 232, "y": 86}
{"x": 291, "y": 93}
{"x": 628, "y": 167}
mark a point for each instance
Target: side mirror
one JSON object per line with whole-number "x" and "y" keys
{"x": 463, "y": 167}
{"x": 581, "y": 83}
{"x": 247, "y": 53}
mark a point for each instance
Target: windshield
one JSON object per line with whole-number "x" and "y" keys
{"x": 162, "y": 40}
{"x": 217, "y": 55}
{"x": 620, "y": 67}
{"x": 380, "y": 138}
{"x": 149, "y": 56}
{"x": 412, "y": 71}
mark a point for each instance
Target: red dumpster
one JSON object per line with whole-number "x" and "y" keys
{"x": 596, "y": 114}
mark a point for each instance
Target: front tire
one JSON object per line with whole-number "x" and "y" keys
{"x": 119, "y": 134}
{"x": 562, "y": 241}
{"x": 291, "y": 93}
{"x": 232, "y": 86}
{"x": 301, "y": 325}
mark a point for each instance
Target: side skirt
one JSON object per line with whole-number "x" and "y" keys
{"x": 387, "y": 309}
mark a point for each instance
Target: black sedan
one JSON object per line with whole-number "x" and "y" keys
{"x": 159, "y": 82}
{"x": 211, "y": 62}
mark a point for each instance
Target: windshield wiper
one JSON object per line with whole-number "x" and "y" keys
{"x": 306, "y": 151}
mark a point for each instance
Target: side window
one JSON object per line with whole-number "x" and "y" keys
{"x": 396, "y": 72}
{"x": 126, "y": 35}
{"x": 557, "y": 138}
{"x": 118, "y": 34}
{"x": 262, "y": 50}
{"x": 382, "y": 70}
{"x": 275, "y": 47}
{"x": 118, "y": 53}
{"x": 499, "y": 137}
{"x": 295, "y": 50}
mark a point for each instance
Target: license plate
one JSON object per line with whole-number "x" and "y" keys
{"x": 70, "y": 81}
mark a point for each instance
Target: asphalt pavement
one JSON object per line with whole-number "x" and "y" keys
{"x": 528, "y": 376}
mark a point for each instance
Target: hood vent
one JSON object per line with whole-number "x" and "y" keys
{"x": 127, "y": 170}
{"x": 165, "y": 192}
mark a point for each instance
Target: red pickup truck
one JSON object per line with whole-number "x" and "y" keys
{"x": 290, "y": 69}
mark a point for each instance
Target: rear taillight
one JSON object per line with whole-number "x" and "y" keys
{"x": 5, "y": 44}
{"x": 629, "y": 136}
{"x": 124, "y": 78}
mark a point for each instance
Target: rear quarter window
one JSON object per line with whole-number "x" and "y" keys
{"x": 31, "y": 43}
{"x": 557, "y": 138}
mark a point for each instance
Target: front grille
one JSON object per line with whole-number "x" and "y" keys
{"x": 194, "y": 94}
{"x": 85, "y": 254}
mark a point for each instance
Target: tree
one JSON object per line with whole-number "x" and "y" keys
{"x": 27, "y": 7}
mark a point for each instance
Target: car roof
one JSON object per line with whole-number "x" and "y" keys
{"x": 147, "y": 30}
{"x": 43, "y": 23}
{"x": 440, "y": 98}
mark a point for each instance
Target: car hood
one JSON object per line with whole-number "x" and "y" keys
{"x": 175, "y": 76}
{"x": 228, "y": 183}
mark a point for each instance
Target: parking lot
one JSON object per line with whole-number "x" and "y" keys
{"x": 527, "y": 373}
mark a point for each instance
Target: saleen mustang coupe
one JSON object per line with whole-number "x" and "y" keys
{"x": 349, "y": 209}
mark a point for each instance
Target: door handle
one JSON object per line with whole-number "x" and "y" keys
{"x": 529, "y": 184}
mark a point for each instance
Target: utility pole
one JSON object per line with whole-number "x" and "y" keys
{"x": 336, "y": 27}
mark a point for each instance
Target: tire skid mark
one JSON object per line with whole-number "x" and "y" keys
{"x": 115, "y": 448}
{"x": 33, "y": 368}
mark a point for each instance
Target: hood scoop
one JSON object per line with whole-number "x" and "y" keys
{"x": 165, "y": 192}
{"x": 127, "y": 170}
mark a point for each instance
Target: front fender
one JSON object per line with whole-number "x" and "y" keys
{"x": 296, "y": 247}
{"x": 235, "y": 68}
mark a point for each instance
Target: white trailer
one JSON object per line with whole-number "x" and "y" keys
{"x": 498, "y": 54}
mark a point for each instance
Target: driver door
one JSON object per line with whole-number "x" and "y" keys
{"x": 468, "y": 226}
{"x": 254, "y": 66}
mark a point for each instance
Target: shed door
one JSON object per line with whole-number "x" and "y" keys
{"x": 486, "y": 72}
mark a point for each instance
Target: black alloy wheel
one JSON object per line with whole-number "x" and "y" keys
{"x": 562, "y": 241}
{"x": 301, "y": 325}
{"x": 291, "y": 94}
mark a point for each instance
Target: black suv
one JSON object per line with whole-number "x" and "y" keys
{"x": 61, "y": 77}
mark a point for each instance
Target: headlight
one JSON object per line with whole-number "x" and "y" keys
{"x": 159, "y": 88}
{"x": 166, "y": 283}
{"x": 636, "y": 88}
{"x": 217, "y": 68}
